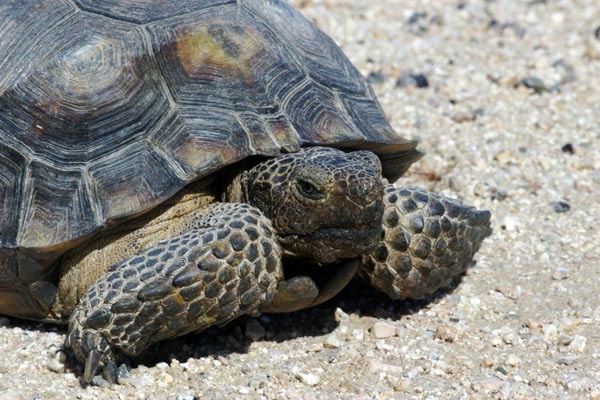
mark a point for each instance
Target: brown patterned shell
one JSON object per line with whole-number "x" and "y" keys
{"x": 108, "y": 107}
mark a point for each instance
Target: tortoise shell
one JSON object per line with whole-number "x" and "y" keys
{"x": 108, "y": 107}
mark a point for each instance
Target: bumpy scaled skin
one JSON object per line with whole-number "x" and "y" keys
{"x": 428, "y": 241}
{"x": 205, "y": 277}
{"x": 324, "y": 203}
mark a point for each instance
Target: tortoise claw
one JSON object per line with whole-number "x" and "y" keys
{"x": 110, "y": 372}
{"x": 91, "y": 366}
{"x": 92, "y": 348}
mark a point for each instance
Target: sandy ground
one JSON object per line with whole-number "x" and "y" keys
{"x": 504, "y": 97}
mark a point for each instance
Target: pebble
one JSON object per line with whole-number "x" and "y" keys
{"x": 550, "y": 331}
{"x": 100, "y": 382}
{"x": 4, "y": 322}
{"x": 376, "y": 77}
{"x": 487, "y": 385}
{"x": 560, "y": 206}
{"x": 463, "y": 116}
{"x": 446, "y": 333}
{"x": 254, "y": 330}
{"x": 332, "y": 341}
{"x": 568, "y": 148}
{"x": 581, "y": 383}
{"x": 513, "y": 360}
{"x": 340, "y": 315}
{"x": 487, "y": 362}
{"x": 377, "y": 366}
{"x": 308, "y": 378}
{"x": 534, "y": 83}
{"x": 382, "y": 330}
{"x": 407, "y": 79}
{"x": 185, "y": 396}
{"x": 358, "y": 334}
{"x": 561, "y": 272}
{"x": 568, "y": 360}
{"x": 57, "y": 362}
{"x": 258, "y": 381}
{"x": 578, "y": 344}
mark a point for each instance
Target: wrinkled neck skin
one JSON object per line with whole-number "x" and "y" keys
{"x": 324, "y": 204}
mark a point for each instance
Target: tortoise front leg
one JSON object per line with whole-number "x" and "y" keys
{"x": 226, "y": 267}
{"x": 428, "y": 241}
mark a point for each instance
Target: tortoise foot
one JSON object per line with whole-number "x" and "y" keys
{"x": 428, "y": 241}
{"x": 227, "y": 267}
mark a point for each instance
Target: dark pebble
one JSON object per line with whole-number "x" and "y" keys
{"x": 499, "y": 195}
{"x": 568, "y": 148}
{"x": 123, "y": 371}
{"x": 416, "y": 17}
{"x": 597, "y": 33}
{"x": 561, "y": 206}
{"x": 376, "y": 77}
{"x": 534, "y": 83}
{"x": 100, "y": 382}
{"x": 502, "y": 370}
{"x": 407, "y": 79}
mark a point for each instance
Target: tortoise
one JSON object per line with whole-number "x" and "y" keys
{"x": 171, "y": 165}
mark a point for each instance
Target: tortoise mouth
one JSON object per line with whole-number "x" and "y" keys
{"x": 327, "y": 245}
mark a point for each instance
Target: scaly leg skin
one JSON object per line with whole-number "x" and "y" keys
{"x": 428, "y": 241}
{"x": 229, "y": 265}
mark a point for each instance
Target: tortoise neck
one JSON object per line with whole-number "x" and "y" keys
{"x": 236, "y": 187}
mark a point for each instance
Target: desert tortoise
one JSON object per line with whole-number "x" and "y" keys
{"x": 161, "y": 162}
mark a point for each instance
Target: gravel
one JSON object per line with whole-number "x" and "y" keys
{"x": 504, "y": 97}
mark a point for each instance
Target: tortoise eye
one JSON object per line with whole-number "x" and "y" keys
{"x": 308, "y": 189}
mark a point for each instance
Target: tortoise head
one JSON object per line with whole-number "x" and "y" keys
{"x": 325, "y": 204}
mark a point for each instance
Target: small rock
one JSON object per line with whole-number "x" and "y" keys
{"x": 4, "y": 322}
{"x": 463, "y": 116}
{"x": 561, "y": 273}
{"x": 513, "y": 360}
{"x": 568, "y": 148}
{"x": 340, "y": 315}
{"x": 168, "y": 379}
{"x": 560, "y": 206}
{"x": 581, "y": 384}
{"x": 567, "y": 360}
{"x": 57, "y": 362}
{"x": 55, "y": 366}
{"x": 487, "y": 385}
{"x": 308, "y": 379}
{"x": 501, "y": 369}
{"x": 258, "y": 381}
{"x": 140, "y": 382}
{"x": 509, "y": 223}
{"x": 358, "y": 335}
{"x": 578, "y": 344}
{"x": 549, "y": 331}
{"x": 377, "y": 366}
{"x": 534, "y": 83}
{"x": 376, "y": 77}
{"x": 407, "y": 79}
{"x": 332, "y": 341}
{"x": 382, "y": 330}
{"x": 100, "y": 382}
{"x": 254, "y": 330}
{"x": 185, "y": 396}
{"x": 162, "y": 366}
{"x": 565, "y": 340}
{"x": 445, "y": 333}
{"x": 486, "y": 362}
